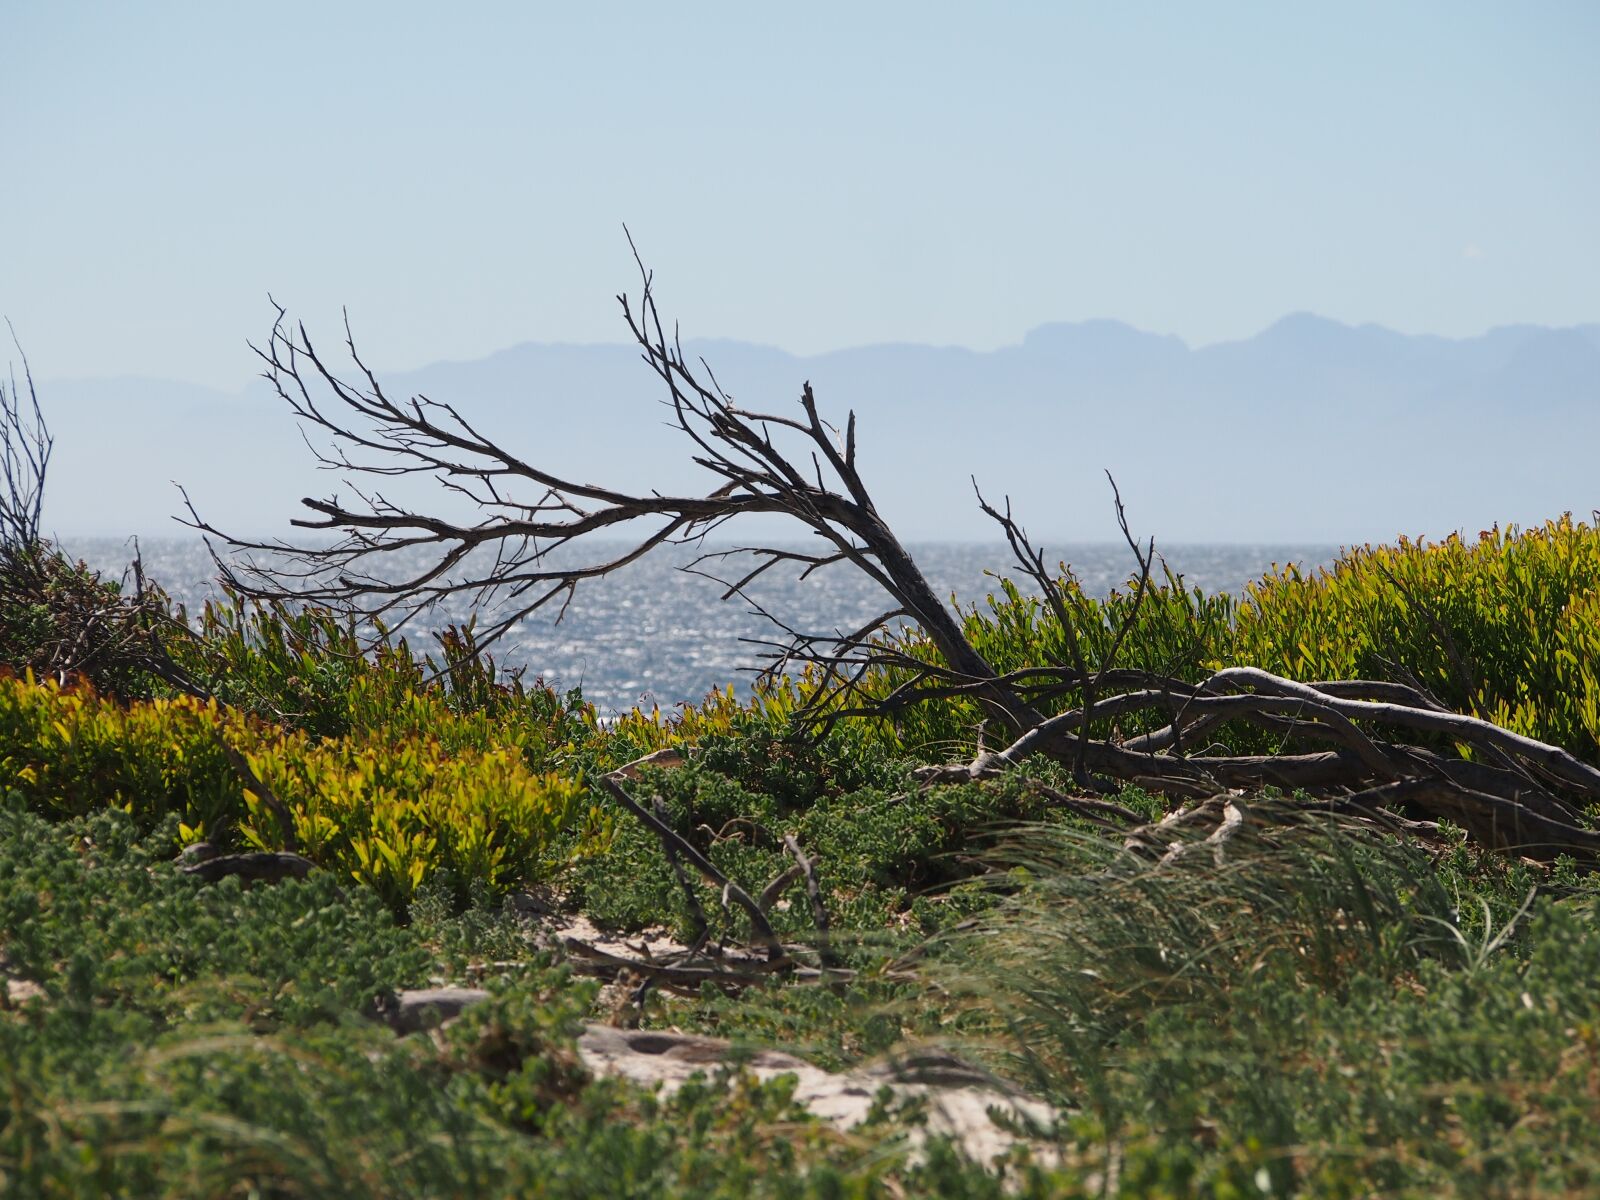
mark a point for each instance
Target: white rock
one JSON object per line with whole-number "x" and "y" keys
{"x": 959, "y": 1097}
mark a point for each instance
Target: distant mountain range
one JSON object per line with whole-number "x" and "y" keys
{"x": 1311, "y": 431}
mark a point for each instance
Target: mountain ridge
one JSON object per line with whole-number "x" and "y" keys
{"x": 1311, "y": 430}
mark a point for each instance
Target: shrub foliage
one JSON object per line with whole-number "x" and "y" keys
{"x": 1506, "y": 627}
{"x": 432, "y": 796}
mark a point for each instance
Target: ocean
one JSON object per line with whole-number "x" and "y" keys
{"x": 655, "y": 634}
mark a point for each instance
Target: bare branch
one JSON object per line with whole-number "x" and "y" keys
{"x": 819, "y": 910}
{"x": 25, "y": 447}
{"x": 524, "y": 547}
{"x": 730, "y": 890}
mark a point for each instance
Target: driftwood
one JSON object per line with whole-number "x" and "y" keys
{"x": 686, "y": 972}
{"x": 819, "y": 910}
{"x": 1530, "y": 805}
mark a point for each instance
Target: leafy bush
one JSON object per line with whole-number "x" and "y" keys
{"x": 767, "y": 713}
{"x": 396, "y": 815}
{"x": 68, "y": 751}
{"x": 442, "y": 801}
{"x": 1506, "y": 628}
{"x": 294, "y": 667}
{"x": 93, "y": 910}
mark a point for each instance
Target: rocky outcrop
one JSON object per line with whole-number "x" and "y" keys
{"x": 961, "y": 1101}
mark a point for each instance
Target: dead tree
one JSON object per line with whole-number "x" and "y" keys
{"x": 389, "y": 562}
{"x": 58, "y": 618}
{"x": 25, "y": 446}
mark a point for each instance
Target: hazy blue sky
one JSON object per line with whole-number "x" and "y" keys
{"x": 811, "y": 176}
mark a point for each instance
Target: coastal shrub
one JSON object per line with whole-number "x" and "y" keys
{"x": 886, "y": 856}
{"x": 399, "y": 814}
{"x": 767, "y": 712}
{"x": 1506, "y": 627}
{"x": 59, "y": 617}
{"x": 69, "y": 751}
{"x": 292, "y": 666}
{"x": 434, "y": 804}
{"x": 94, "y": 912}
{"x": 1176, "y": 631}
{"x": 309, "y": 668}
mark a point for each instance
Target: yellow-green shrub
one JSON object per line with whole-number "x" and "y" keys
{"x": 393, "y": 812}
{"x": 71, "y": 752}
{"x": 1506, "y": 627}
{"x": 395, "y": 815}
{"x": 720, "y": 714}
{"x": 309, "y": 668}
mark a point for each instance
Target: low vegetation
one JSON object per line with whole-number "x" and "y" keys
{"x": 213, "y": 1041}
{"x": 1219, "y": 991}
{"x": 429, "y": 798}
{"x": 1317, "y": 1010}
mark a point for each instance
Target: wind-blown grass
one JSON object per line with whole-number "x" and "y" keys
{"x": 1316, "y": 1012}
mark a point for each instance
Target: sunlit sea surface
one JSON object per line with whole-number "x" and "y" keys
{"x": 654, "y": 633}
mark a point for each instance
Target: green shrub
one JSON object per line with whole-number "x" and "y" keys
{"x": 93, "y": 909}
{"x": 309, "y": 668}
{"x": 395, "y": 815}
{"x": 885, "y": 857}
{"x": 1506, "y": 627}
{"x": 294, "y": 667}
{"x": 69, "y": 751}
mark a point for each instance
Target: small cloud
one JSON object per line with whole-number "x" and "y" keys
{"x": 1472, "y": 250}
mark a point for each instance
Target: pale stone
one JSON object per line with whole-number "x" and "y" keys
{"x": 959, "y": 1097}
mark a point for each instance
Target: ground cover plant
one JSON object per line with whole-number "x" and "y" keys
{"x": 1318, "y": 1014}
{"x": 1064, "y": 836}
{"x": 211, "y": 1040}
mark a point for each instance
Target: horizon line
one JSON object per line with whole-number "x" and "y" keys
{"x": 854, "y": 347}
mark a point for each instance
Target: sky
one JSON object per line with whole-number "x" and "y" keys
{"x": 806, "y": 176}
